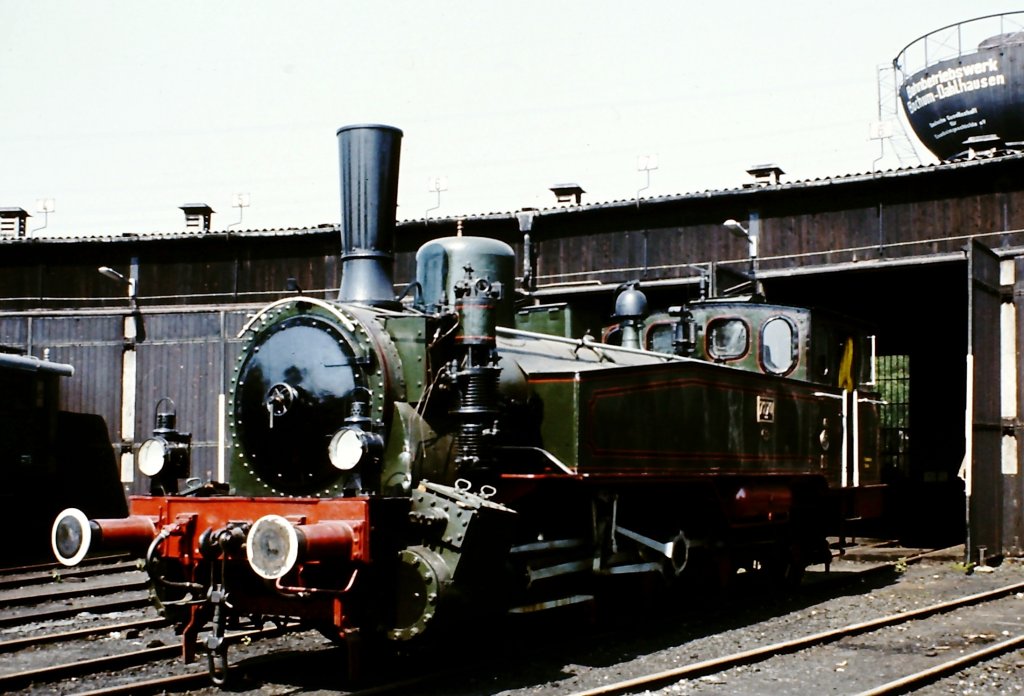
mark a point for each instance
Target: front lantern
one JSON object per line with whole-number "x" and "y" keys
{"x": 165, "y": 457}
{"x": 351, "y": 447}
{"x": 355, "y": 444}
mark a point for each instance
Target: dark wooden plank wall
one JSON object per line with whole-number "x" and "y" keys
{"x": 238, "y": 268}
{"x": 806, "y": 223}
{"x": 814, "y": 237}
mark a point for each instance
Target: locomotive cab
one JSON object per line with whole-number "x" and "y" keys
{"x": 796, "y": 342}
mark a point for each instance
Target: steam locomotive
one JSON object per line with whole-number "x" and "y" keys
{"x": 400, "y": 465}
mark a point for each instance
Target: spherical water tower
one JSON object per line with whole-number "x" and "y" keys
{"x": 962, "y": 86}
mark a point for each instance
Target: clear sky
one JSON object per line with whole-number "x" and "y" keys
{"x": 121, "y": 111}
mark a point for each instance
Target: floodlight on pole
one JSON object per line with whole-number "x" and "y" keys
{"x": 742, "y": 232}
{"x": 525, "y": 217}
{"x": 134, "y": 331}
{"x": 736, "y": 228}
{"x": 120, "y": 278}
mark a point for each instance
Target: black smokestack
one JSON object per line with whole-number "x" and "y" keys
{"x": 369, "y": 200}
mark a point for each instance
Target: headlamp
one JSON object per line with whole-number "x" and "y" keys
{"x": 153, "y": 456}
{"x": 351, "y": 447}
{"x": 165, "y": 457}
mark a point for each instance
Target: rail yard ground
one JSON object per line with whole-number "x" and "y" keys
{"x": 848, "y": 666}
{"x": 576, "y": 650}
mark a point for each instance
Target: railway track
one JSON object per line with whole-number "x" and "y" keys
{"x": 901, "y": 684}
{"x": 101, "y": 608}
{"x": 267, "y": 659}
{"x": 135, "y": 583}
{"x": 136, "y": 601}
{"x": 50, "y": 566}
{"x": 121, "y": 661}
{"x": 15, "y": 644}
{"x": 21, "y": 578}
{"x": 47, "y": 593}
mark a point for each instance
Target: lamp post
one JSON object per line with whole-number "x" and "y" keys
{"x": 133, "y": 332}
{"x": 750, "y": 235}
{"x": 128, "y": 283}
{"x": 525, "y": 217}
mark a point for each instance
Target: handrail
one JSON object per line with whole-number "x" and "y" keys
{"x": 898, "y": 61}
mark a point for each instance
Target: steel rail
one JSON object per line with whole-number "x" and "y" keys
{"x": 177, "y": 682}
{"x": 69, "y": 592}
{"x": 30, "y": 641}
{"x": 913, "y": 681}
{"x": 161, "y": 685}
{"x": 720, "y": 664}
{"x": 52, "y": 673}
{"x": 136, "y": 602}
{"x": 14, "y": 581}
{"x": 88, "y": 561}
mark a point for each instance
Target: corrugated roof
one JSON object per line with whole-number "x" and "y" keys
{"x": 166, "y": 236}
{"x": 840, "y": 179}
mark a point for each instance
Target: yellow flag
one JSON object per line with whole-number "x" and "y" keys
{"x": 846, "y": 366}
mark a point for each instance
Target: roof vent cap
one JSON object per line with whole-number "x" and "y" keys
{"x": 13, "y": 222}
{"x": 197, "y": 217}
{"x": 568, "y": 194}
{"x": 764, "y": 175}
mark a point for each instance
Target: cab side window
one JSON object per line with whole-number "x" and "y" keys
{"x": 727, "y": 339}
{"x": 778, "y": 346}
{"x": 660, "y": 337}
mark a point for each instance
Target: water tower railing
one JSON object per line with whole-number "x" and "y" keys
{"x": 954, "y": 41}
